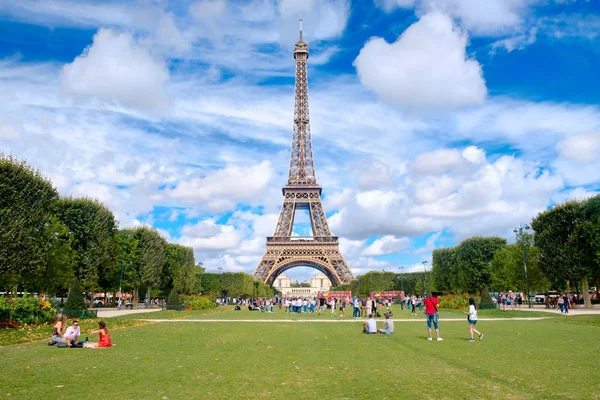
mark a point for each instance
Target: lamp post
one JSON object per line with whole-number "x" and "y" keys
{"x": 519, "y": 233}
{"x": 401, "y": 280}
{"x": 123, "y": 235}
{"x": 425, "y": 276}
{"x": 220, "y": 279}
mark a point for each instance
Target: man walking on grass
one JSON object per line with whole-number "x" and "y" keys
{"x": 431, "y": 312}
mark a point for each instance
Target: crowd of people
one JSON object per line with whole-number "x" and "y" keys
{"x": 68, "y": 336}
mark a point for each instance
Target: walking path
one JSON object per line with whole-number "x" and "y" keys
{"x": 421, "y": 320}
{"x": 572, "y": 311}
{"x": 113, "y": 312}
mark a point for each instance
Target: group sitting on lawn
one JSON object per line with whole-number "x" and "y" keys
{"x": 70, "y": 337}
{"x": 370, "y": 325}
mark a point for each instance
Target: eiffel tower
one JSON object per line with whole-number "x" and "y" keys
{"x": 321, "y": 250}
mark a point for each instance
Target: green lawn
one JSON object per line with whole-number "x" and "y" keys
{"x": 553, "y": 358}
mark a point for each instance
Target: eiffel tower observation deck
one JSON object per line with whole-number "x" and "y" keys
{"x": 321, "y": 250}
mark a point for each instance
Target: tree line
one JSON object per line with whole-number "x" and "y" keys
{"x": 561, "y": 253}
{"x": 47, "y": 242}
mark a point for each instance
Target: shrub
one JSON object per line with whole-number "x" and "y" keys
{"x": 26, "y": 311}
{"x": 195, "y": 302}
{"x": 75, "y": 300}
{"x": 5, "y": 309}
{"x": 486, "y": 302}
{"x": 173, "y": 299}
{"x": 456, "y": 301}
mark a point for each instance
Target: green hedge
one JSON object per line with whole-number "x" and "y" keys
{"x": 26, "y": 311}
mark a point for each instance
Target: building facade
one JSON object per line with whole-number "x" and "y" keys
{"x": 318, "y": 283}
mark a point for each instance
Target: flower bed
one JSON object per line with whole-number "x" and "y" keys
{"x": 19, "y": 311}
{"x": 194, "y": 302}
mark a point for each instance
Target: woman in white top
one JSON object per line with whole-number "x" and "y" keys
{"x": 472, "y": 319}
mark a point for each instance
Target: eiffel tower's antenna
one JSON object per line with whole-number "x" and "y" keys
{"x": 302, "y": 169}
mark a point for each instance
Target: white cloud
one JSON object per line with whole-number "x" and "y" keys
{"x": 582, "y": 148}
{"x": 429, "y": 244}
{"x": 517, "y": 42}
{"x": 322, "y": 19}
{"x": 427, "y": 67}
{"x": 578, "y": 193}
{"x": 8, "y": 132}
{"x": 168, "y": 33}
{"x": 490, "y": 17}
{"x": 220, "y": 190}
{"x": 391, "y": 5}
{"x": 207, "y": 235}
{"x": 374, "y": 175}
{"x": 207, "y": 10}
{"x": 387, "y": 245}
{"x": 117, "y": 69}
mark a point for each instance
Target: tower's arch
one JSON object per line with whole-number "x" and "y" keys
{"x": 316, "y": 264}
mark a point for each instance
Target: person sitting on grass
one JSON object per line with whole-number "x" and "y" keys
{"x": 57, "y": 332}
{"x": 104, "y": 337}
{"x": 370, "y": 326}
{"x": 389, "y": 325}
{"x": 72, "y": 334}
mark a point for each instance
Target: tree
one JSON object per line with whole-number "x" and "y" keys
{"x": 59, "y": 265}
{"x": 151, "y": 247}
{"x": 444, "y": 268}
{"x": 474, "y": 256}
{"x": 508, "y": 271}
{"x": 178, "y": 269}
{"x": 562, "y": 236}
{"x": 92, "y": 228}
{"x": 27, "y": 202}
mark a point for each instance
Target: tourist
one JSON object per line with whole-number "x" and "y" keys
{"x": 332, "y": 304}
{"x": 561, "y": 304}
{"x": 431, "y": 312}
{"x": 342, "y": 305}
{"x": 321, "y": 305}
{"x": 72, "y": 334}
{"x": 413, "y": 304}
{"x": 57, "y": 332}
{"x": 369, "y": 307}
{"x": 472, "y": 320}
{"x": 566, "y": 303}
{"x": 356, "y": 310}
{"x": 370, "y": 325}
{"x": 389, "y": 325}
{"x": 104, "y": 334}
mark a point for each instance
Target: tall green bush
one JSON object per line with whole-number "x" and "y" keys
{"x": 75, "y": 300}
{"x": 173, "y": 299}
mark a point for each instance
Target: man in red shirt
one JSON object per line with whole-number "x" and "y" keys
{"x": 431, "y": 312}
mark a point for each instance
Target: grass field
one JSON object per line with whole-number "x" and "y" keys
{"x": 541, "y": 359}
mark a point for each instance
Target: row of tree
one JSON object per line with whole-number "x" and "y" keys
{"x": 48, "y": 241}
{"x": 563, "y": 251}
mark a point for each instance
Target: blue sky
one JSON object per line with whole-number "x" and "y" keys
{"x": 432, "y": 120}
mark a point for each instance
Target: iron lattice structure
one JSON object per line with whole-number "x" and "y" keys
{"x": 321, "y": 250}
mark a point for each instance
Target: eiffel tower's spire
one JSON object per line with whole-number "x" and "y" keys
{"x": 302, "y": 169}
